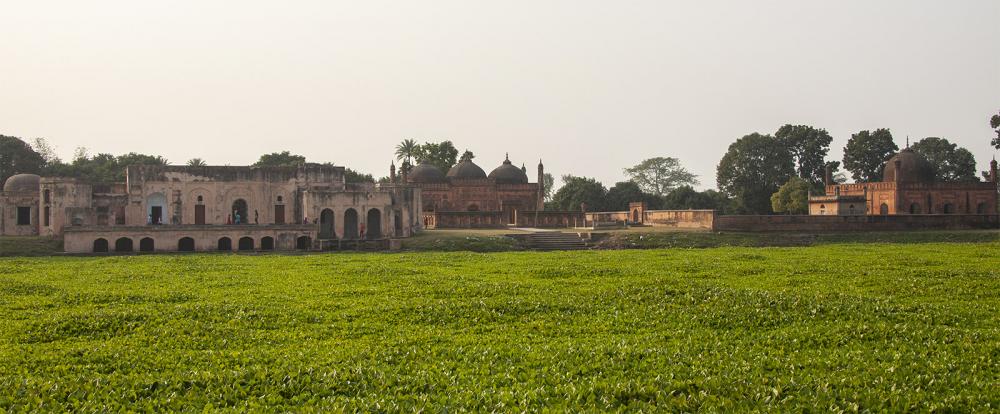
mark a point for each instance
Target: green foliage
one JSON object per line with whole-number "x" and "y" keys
{"x": 196, "y": 162}
{"x": 100, "y": 168}
{"x": 869, "y": 328}
{"x": 626, "y": 192}
{"x": 808, "y": 147}
{"x": 354, "y": 177}
{"x": 792, "y": 197}
{"x": 753, "y": 169}
{"x": 995, "y": 124}
{"x": 467, "y": 156}
{"x": 17, "y": 157}
{"x": 660, "y": 175}
{"x": 687, "y": 198}
{"x": 550, "y": 183}
{"x": 406, "y": 150}
{"x": 441, "y": 155}
{"x": 951, "y": 162}
{"x": 280, "y": 159}
{"x": 866, "y": 154}
{"x": 577, "y": 191}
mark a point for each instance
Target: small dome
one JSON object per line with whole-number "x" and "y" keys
{"x": 425, "y": 173}
{"x": 22, "y": 182}
{"x": 913, "y": 168}
{"x": 466, "y": 170}
{"x": 507, "y": 173}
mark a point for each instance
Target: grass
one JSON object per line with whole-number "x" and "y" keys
{"x": 653, "y": 239}
{"x": 474, "y": 240}
{"x": 29, "y": 246}
{"x": 880, "y": 327}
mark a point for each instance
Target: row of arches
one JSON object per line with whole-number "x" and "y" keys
{"x": 187, "y": 244}
{"x": 352, "y": 228}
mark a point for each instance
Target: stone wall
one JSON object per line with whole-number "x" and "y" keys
{"x": 857, "y": 223}
{"x": 499, "y": 219}
{"x": 696, "y": 219}
{"x": 10, "y": 202}
{"x": 82, "y": 239}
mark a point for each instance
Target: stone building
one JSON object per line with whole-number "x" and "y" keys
{"x": 170, "y": 208}
{"x": 908, "y": 187}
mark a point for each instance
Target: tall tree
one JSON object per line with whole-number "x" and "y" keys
{"x": 467, "y": 155}
{"x": 280, "y": 159}
{"x": 626, "y": 192}
{"x": 809, "y": 147}
{"x": 441, "y": 154}
{"x": 792, "y": 197}
{"x": 580, "y": 190}
{"x": 951, "y": 162}
{"x": 687, "y": 198}
{"x": 196, "y": 162}
{"x": 406, "y": 150}
{"x": 660, "y": 175}
{"x": 354, "y": 177}
{"x": 753, "y": 169}
{"x": 549, "y": 182}
{"x": 866, "y": 154}
{"x": 48, "y": 153}
{"x": 995, "y": 124}
{"x": 17, "y": 157}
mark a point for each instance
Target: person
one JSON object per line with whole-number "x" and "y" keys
{"x": 255, "y": 217}
{"x": 305, "y": 220}
{"x": 149, "y": 219}
{"x": 229, "y": 219}
{"x": 237, "y": 218}
{"x": 362, "y": 231}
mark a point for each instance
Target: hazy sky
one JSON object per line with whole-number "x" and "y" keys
{"x": 589, "y": 86}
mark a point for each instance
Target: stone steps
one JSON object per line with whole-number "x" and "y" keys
{"x": 554, "y": 240}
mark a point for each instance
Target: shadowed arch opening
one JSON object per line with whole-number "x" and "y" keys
{"x": 185, "y": 244}
{"x": 239, "y": 207}
{"x": 326, "y": 230}
{"x": 246, "y": 243}
{"x": 949, "y": 208}
{"x": 146, "y": 244}
{"x": 101, "y": 246}
{"x": 123, "y": 244}
{"x": 883, "y": 209}
{"x": 225, "y": 244}
{"x": 267, "y": 243}
{"x": 397, "y": 224}
{"x": 635, "y": 216}
{"x": 351, "y": 224}
{"x": 981, "y": 208}
{"x": 915, "y": 208}
{"x": 303, "y": 243}
{"x": 374, "y": 228}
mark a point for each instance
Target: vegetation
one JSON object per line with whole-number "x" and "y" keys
{"x": 834, "y": 328}
{"x": 660, "y": 175}
{"x": 441, "y": 154}
{"x": 579, "y": 192}
{"x": 808, "y": 147}
{"x": 280, "y": 159}
{"x": 17, "y": 157}
{"x": 753, "y": 169}
{"x": 950, "y": 162}
{"x": 687, "y": 198}
{"x": 792, "y": 197}
{"x": 866, "y": 154}
{"x": 995, "y": 124}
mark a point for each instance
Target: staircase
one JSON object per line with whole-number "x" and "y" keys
{"x": 554, "y": 240}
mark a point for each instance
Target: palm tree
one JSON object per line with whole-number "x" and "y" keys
{"x": 406, "y": 149}
{"x": 196, "y": 162}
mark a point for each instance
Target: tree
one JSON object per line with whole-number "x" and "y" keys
{"x": 687, "y": 198}
{"x": 579, "y": 190}
{"x": 660, "y": 175}
{"x": 353, "y": 177}
{"x": 792, "y": 197}
{"x": 951, "y": 162}
{"x": 17, "y": 157}
{"x": 48, "y": 153}
{"x": 467, "y": 156}
{"x": 995, "y": 124}
{"x": 280, "y": 159}
{"x": 406, "y": 150}
{"x": 626, "y": 192}
{"x": 753, "y": 169}
{"x": 101, "y": 168}
{"x": 866, "y": 154}
{"x": 441, "y": 155}
{"x": 196, "y": 162}
{"x": 809, "y": 147}
{"x": 549, "y": 181}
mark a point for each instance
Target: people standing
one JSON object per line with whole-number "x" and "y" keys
{"x": 362, "y": 231}
{"x": 255, "y": 217}
{"x": 237, "y": 218}
{"x": 229, "y": 219}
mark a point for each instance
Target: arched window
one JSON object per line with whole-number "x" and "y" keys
{"x": 822, "y": 209}
{"x": 239, "y": 211}
{"x": 303, "y": 243}
{"x": 326, "y": 229}
{"x": 146, "y": 244}
{"x": 225, "y": 244}
{"x": 267, "y": 243}
{"x": 100, "y": 246}
{"x": 185, "y": 244}
{"x": 279, "y": 199}
{"x": 201, "y": 199}
{"x": 123, "y": 245}
{"x": 883, "y": 209}
{"x": 350, "y": 224}
{"x": 374, "y": 229}
{"x": 246, "y": 243}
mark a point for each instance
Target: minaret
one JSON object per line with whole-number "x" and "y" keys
{"x": 541, "y": 185}
{"x": 993, "y": 170}
{"x": 392, "y": 172}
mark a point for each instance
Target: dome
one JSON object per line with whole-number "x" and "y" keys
{"x": 425, "y": 173}
{"x": 22, "y": 182}
{"x": 913, "y": 168}
{"x": 506, "y": 173}
{"x": 466, "y": 170}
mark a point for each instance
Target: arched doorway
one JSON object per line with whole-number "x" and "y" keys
{"x": 267, "y": 243}
{"x": 123, "y": 244}
{"x": 225, "y": 244}
{"x": 240, "y": 208}
{"x": 246, "y": 243}
{"x": 303, "y": 243}
{"x": 100, "y": 246}
{"x": 185, "y": 244}
{"x": 397, "y": 224}
{"x": 156, "y": 206}
{"x": 351, "y": 224}
{"x": 883, "y": 209}
{"x": 822, "y": 209}
{"x": 326, "y": 230}
{"x": 635, "y": 216}
{"x": 146, "y": 244}
{"x": 374, "y": 229}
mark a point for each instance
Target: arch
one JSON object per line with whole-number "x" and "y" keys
{"x": 156, "y": 208}
{"x": 246, "y": 243}
{"x": 185, "y": 244}
{"x": 374, "y": 229}
{"x": 123, "y": 244}
{"x": 350, "y": 224}
{"x": 822, "y": 209}
{"x": 981, "y": 208}
{"x": 280, "y": 199}
{"x": 101, "y": 246}
{"x": 267, "y": 243}
{"x": 225, "y": 244}
{"x": 397, "y": 223}
{"x": 303, "y": 243}
{"x": 239, "y": 207}
{"x": 635, "y": 216}
{"x": 201, "y": 199}
{"x": 146, "y": 244}
{"x": 883, "y": 209}
{"x": 473, "y": 207}
{"x": 915, "y": 208}
{"x": 326, "y": 229}
{"x": 949, "y": 208}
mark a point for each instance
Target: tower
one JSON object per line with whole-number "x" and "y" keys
{"x": 392, "y": 172}
{"x": 993, "y": 170}
{"x": 541, "y": 186}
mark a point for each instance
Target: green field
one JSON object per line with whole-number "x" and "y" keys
{"x": 835, "y": 327}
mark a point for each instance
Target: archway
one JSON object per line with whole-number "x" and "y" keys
{"x": 240, "y": 209}
{"x": 397, "y": 224}
{"x": 351, "y": 224}
{"x": 883, "y": 209}
{"x": 225, "y": 244}
{"x": 915, "y": 208}
{"x": 185, "y": 244}
{"x": 303, "y": 243}
{"x": 326, "y": 230}
{"x": 146, "y": 244}
{"x": 267, "y": 243}
{"x": 981, "y": 208}
{"x": 635, "y": 216}
{"x": 822, "y": 209}
{"x": 246, "y": 243}
{"x": 100, "y": 246}
{"x": 123, "y": 244}
{"x": 374, "y": 229}
{"x": 156, "y": 207}
{"x": 949, "y": 208}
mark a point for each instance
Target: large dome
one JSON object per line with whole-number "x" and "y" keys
{"x": 466, "y": 170}
{"x": 507, "y": 173}
{"x": 425, "y": 173}
{"x": 22, "y": 182}
{"x": 913, "y": 168}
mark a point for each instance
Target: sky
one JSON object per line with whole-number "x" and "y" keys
{"x": 589, "y": 87}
